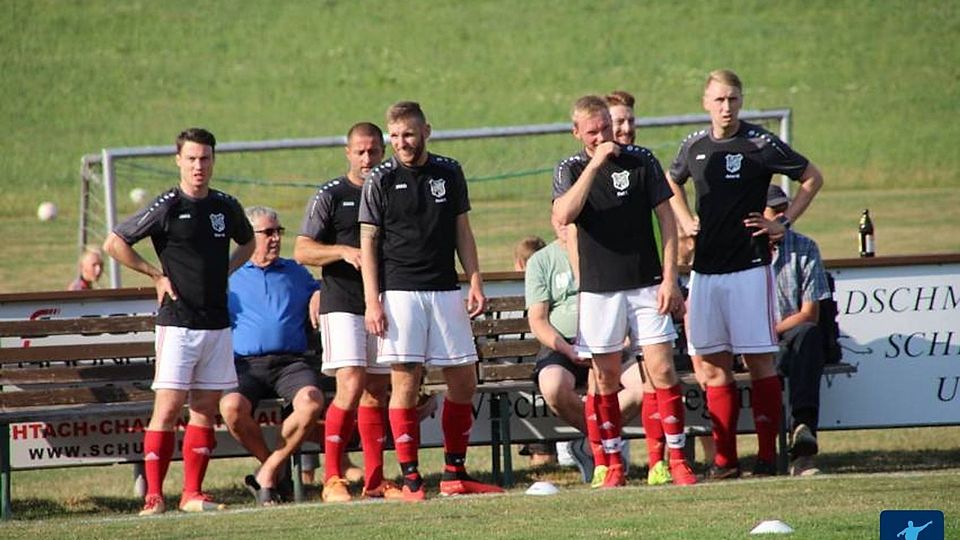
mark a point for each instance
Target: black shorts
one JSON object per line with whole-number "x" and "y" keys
{"x": 272, "y": 376}
{"x": 550, "y": 357}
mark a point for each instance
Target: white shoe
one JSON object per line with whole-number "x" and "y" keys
{"x": 564, "y": 455}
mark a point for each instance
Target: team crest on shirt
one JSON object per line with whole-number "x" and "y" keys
{"x": 218, "y": 222}
{"x": 621, "y": 180}
{"x": 733, "y": 162}
{"x": 438, "y": 187}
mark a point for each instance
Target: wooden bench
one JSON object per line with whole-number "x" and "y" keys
{"x": 81, "y": 377}
{"x": 508, "y": 350}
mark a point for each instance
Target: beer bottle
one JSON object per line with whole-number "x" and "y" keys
{"x": 867, "y": 246}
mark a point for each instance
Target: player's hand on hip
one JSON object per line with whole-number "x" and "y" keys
{"x": 164, "y": 288}
{"x": 774, "y": 229}
{"x": 375, "y": 320}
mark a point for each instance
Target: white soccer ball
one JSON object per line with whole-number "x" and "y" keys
{"x": 138, "y": 195}
{"x": 47, "y": 211}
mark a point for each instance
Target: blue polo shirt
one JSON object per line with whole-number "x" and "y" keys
{"x": 268, "y": 308}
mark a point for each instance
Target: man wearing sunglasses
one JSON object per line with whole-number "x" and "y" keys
{"x": 271, "y": 299}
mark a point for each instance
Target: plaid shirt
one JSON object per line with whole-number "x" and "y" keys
{"x": 800, "y": 274}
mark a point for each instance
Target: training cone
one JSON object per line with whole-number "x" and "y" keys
{"x": 772, "y": 526}
{"x": 542, "y": 488}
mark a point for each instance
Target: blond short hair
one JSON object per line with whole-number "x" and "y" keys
{"x": 527, "y": 247}
{"x": 724, "y": 76}
{"x": 588, "y": 106}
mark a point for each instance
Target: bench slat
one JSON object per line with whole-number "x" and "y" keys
{"x": 495, "y": 327}
{"x": 75, "y": 375}
{"x": 506, "y": 372}
{"x": 82, "y": 325}
{"x": 71, "y": 396}
{"x": 505, "y": 303}
{"x": 92, "y": 351}
{"x": 508, "y": 348}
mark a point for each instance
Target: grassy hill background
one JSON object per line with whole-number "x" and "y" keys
{"x": 873, "y": 87}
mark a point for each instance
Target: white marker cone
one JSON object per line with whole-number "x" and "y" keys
{"x": 772, "y": 526}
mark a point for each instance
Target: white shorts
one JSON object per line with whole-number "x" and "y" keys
{"x": 189, "y": 359}
{"x": 732, "y": 312}
{"x": 429, "y": 327}
{"x": 346, "y": 344}
{"x": 606, "y": 318}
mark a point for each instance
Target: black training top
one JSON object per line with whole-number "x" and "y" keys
{"x": 615, "y": 238}
{"x": 331, "y": 218}
{"x": 731, "y": 177}
{"x": 192, "y": 240}
{"x": 416, "y": 209}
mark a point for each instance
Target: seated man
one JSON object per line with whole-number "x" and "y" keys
{"x": 551, "y": 297}
{"x": 801, "y": 285}
{"x": 270, "y": 298}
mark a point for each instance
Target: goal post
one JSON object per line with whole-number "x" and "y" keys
{"x": 103, "y": 172}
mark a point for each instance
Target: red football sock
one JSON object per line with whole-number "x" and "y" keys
{"x": 593, "y": 430}
{"x": 672, "y": 419}
{"x": 337, "y": 430}
{"x": 611, "y": 424}
{"x": 372, "y": 435}
{"x": 767, "y": 403}
{"x": 723, "y": 404}
{"x": 198, "y": 445}
{"x": 405, "y": 425}
{"x": 653, "y": 431}
{"x": 157, "y": 453}
{"x": 456, "y": 421}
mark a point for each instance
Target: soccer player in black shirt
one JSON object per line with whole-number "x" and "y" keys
{"x": 413, "y": 219}
{"x": 608, "y": 191}
{"x": 330, "y": 238}
{"x": 732, "y": 304}
{"x": 191, "y": 227}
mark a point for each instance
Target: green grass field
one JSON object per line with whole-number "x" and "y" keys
{"x": 868, "y": 471}
{"x": 873, "y": 86}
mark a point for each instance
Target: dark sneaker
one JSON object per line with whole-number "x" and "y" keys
{"x": 715, "y": 473}
{"x": 804, "y": 442}
{"x": 803, "y": 466}
{"x": 583, "y": 458}
{"x": 762, "y": 469}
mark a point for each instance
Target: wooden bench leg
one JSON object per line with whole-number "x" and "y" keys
{"x": 783, "y": 456}
{"x": 495, "y": 438}
{"x": 507, "y": 441}
{"x": 296, "y": 470}
{"x": 690, "y": 448}
{"x": 6, "y": 512}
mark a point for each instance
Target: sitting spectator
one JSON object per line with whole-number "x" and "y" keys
{"x": 524, "y": 249}
{"x": 89, "y": 269}
{"x": 551, "y": 297}
{"x": 271, "y": 299}
{"x": 540, "y": 453}
{"x": 801, "y": 285}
